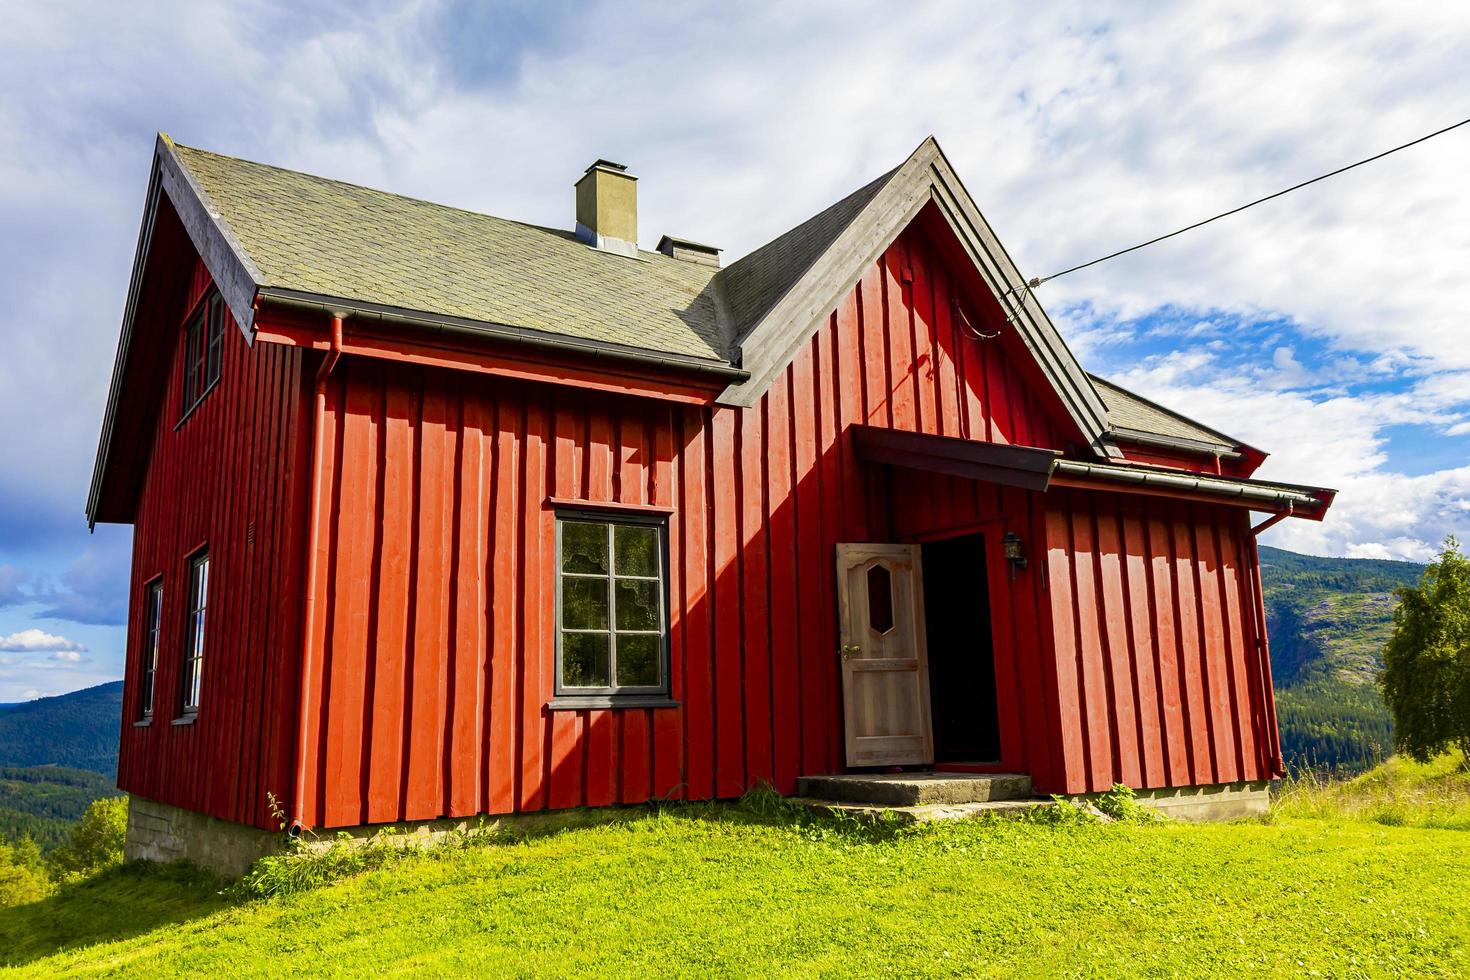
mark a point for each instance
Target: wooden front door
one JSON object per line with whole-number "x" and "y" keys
{"x": 885, "y": 663}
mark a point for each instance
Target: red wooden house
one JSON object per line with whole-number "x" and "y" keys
{"x": 439, "y": 514}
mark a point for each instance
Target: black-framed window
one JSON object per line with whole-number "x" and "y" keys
{"x": 204, "y": 342}
{"x": 194, "y": 635}
{"x": 612, "y": 637}
{"x": 152, "y": 628}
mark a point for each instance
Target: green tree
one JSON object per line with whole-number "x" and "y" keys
{"x": 1426, "y": 663}
{"x": 96, "y": 843}
{"x": 22, "y": 874}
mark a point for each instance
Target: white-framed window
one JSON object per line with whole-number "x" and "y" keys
{"x": 612, "y": 637}
{"x": 194, "y": 632}
{"x": 152, "y": 630}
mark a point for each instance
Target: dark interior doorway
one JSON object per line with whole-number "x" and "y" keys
{"x": 961, "y": 658}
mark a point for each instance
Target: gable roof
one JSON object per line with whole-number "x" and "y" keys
{"x": 1130, "y": 412}
{"x": 274, "y": 234}
{"x": 325, "y": 238}
{"x": 890, "y": 204}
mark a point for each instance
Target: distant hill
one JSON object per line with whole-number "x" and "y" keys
{"x": 1328, "y": 620}
{"x": 45, "y": 802}
{"x": 77, "y": 730}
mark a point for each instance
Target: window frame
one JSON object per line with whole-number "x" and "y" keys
{"x": 204, "y": 350}
{"x": 196, "y": 636}
{"x": 614, "y": 695}
{"x": 152, "y": 645}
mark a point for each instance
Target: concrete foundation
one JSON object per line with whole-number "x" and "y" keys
{"x": 1225, "y": 801}
{"x": 163, "y": 833}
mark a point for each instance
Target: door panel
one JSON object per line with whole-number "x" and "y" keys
{"x": 885, "y": 666}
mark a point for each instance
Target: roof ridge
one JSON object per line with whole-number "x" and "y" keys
{"x": 561, "y": 232}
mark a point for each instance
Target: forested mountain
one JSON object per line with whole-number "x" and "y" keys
{"x": 45, "y": 802}
{"x": 1328, "y": 620}
{"x": 77, "y": 729}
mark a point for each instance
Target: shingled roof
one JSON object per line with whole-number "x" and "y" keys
{"x": 284, "y": 233}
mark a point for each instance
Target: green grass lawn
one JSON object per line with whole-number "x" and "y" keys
{"x": 721, "y": 890}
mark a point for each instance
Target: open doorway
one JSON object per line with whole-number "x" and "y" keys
{"x": 961, "y": 657}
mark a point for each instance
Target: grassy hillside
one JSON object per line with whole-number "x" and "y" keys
{"x": 77, "y": 730}
{"x": 721, "y": 890}
{"x": 1328, "y": 621}
{"x": 43, "y": 802}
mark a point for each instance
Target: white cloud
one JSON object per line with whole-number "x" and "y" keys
{"x": 67, "y": 656}
{"x": 38, "y": 641}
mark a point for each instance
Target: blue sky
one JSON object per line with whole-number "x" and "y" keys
{"x": 1327, "y": 328}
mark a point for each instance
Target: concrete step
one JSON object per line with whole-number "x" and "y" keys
{"x": 924, "y": 813}
{"x": 907, "y": 789}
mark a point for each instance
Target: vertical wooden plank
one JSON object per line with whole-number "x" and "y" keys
{"x": 1186, "y": 616}
{"x": 697, "y": 614}
{"x": 1143, "y": 641}
{"x": 635, "y": 748}
{"x": 467, "y": 669}
{"x": 667, "y": 725}
{"x": 1071, "y": 728}
{"x": 351, "y": 585}
{"x": 1173, "y": 706}
{"x": 1097, "y": 713}
{"x": 536, "y": 609}
{"x": 729, "y": 669}
{"x": 602, "y": 743}
{"x": 1119, "y": 658}
{"x": 1212, "y": 641}
{"x": 754, "y": 599}
{"x": 811, "y": 570}
{"x": 898, "y": 326}
{"x": 424, "y": 797}
{"x": 566, "y": 742}
{"x": 871, "y": 355}
{"x": 390, "y": 654}
{"x": 780, "y": 521}
{"x": 840, "y": 495}
{"x": 1237, "y": 648}
{"x": 500, "y": 748}
{"x": 926, "y": 349}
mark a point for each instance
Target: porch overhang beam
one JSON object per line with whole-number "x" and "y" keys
{"x": 1291, "y": 500}
{"x": 1012, "y": 466}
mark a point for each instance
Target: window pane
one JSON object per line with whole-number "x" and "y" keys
{"x": 638, "y": 657}
{"x": 637, "y": 603}
{"x": 637, "y": 549}
{"x": 584, "y": 603}
{"x": 584, "y": 660}
{"x": 584, "y": 547}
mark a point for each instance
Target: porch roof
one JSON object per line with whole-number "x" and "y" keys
{"x": 1040, "y": 469}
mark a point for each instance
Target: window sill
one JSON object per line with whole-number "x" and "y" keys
{"x": 186, "y": 720}
{"x": 582, "y": 702}
{"x": 143, "y": 722}
{"x": 189, "y": 412}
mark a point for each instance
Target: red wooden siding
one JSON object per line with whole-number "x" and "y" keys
{"x": 1130, "y": 650}
{"x": 231, "y": 477}
{"x": 760, "y": 498}
{"x": 1159, "y": 651}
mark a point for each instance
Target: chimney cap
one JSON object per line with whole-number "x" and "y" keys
{"x": 601, "y": 164}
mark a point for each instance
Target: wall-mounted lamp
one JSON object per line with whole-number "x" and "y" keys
{"x": 1014, "y": 552}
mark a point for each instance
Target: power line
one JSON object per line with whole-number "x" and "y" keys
{"x": 1225, "y": 214}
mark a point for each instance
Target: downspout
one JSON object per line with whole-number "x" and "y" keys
{"x": 308, "y": 620}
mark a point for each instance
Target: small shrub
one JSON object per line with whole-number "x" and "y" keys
{"x": 22, "y": 873}
{"x": 95, "y": 844}
{"x": 1062, "y": 813}
{"x": 1122, "y": 805}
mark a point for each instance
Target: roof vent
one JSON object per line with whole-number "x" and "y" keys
{"x": 683, "y": 248}
{"x": 607, "y": 208}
